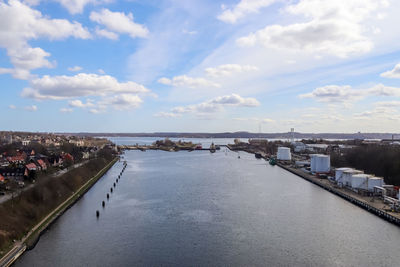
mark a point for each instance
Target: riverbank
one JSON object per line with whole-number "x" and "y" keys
{"x": 31, "y": 238}
{"x": 370, "y": 204}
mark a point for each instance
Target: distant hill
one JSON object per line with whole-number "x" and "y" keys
{"x": 286, "y": 135}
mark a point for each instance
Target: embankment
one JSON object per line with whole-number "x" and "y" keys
{"x": 26, "y": 216}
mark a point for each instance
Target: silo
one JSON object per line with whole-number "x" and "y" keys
{"x": 339, "y": 173}
{"x": 374, "y": 181}
{"x": 359, "y": 181}
{"x": 313, "y": 164}
{"x": 284, "y": 153}
{"x": 346, "y": 176}
{"x": 320, "y": 163}
{"x": 323, "y": 163}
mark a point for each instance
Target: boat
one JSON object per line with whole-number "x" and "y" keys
{"x": 212, "y": 148}
{"x": 272, "y": 161}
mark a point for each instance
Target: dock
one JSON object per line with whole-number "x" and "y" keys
{"x": 356, "y": 199}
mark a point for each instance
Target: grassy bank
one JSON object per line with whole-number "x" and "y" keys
{"x": 20, "y": 215}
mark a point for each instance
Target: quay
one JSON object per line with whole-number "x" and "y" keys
{"x": 373, "y": 205}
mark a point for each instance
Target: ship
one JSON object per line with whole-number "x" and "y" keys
{"x": 212, "y": 148}
{"x": 272, "y": 161}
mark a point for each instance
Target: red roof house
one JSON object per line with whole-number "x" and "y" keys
{"x": 42, "y": 164}
{"x": 31, "y": 167}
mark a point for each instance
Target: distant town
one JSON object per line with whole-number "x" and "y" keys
{"x": 24, "y": 157}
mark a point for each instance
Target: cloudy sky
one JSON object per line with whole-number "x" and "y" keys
{"x": 200, "y": 65}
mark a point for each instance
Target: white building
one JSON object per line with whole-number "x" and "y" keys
{"x": 26, "y": 142}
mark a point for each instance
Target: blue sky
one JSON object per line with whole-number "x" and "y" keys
{"x": 201, "y": 66}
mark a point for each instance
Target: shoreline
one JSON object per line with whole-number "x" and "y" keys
{"x": 351, "y": 197}
{"x": 29, "y": 241}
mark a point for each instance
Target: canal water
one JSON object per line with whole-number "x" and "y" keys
{"x": 201, "y": 209}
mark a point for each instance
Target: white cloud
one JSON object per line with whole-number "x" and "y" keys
{"x": 229, "y": 69}
{"x": 66, "y": 110}
{"x": 388, "y": 103}
{"x": 336, "y": 93}
{"x": 101, "y": 71}
{"x": 82, "y": 84}
{"x": 19, "y": 23}
{"x": 235, "y": 100}
{"x": 12, "y": 107}
{"x": 117, "y": 22}
{"x": 75, "y": 68}
{"x": 259, "y": 120}
{"x": 167, "y": 115}
{"x": 216, "y": 105}
{"x": 243, "y": 8}
{"x": 379, "y": 112}
{"x": 189, "y": 32}
{"x": 333, "y": 27}
{"x": 32, "y": 108}
{"x": 106, "y": 34}
{"x": 95, "y": 111}
{"x": 394, "y": 73}
{"x": 186, "y": 81}
{"x": 77, "y": 6}
{"x": 122, "y": 101}
{"x": 79, "y": 104}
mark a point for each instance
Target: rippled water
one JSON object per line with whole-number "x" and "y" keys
{"x": 197, "y": 208}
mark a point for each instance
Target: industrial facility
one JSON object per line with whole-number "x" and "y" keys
{"x": 284, "y": 154}
{"x": 320, "y": 163}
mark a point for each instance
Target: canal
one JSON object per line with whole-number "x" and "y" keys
{"x": 197, "y": 209}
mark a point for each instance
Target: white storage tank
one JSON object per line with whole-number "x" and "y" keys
{"x": 374, "y": 181}
{"x": 360, "y": 181}
{"x": 284, "y": 153}
{"x": 346, "y": 176}
{"x": 320, "y": 163}
{"x": 339, "y": 173}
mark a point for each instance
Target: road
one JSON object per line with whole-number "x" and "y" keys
{"x": 8, "y": 196}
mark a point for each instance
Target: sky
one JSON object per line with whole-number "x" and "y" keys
{"x": 200, "y": 65}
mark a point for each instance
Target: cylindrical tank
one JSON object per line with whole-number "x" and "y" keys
{"x": 360, "y": 181}
{"x": 374, "y": 181}
{"x": 320, "y": 163}
{"x": 339, "y": 173}
{"x": 284, "y": 153}
{"x": 346, "y": 176}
